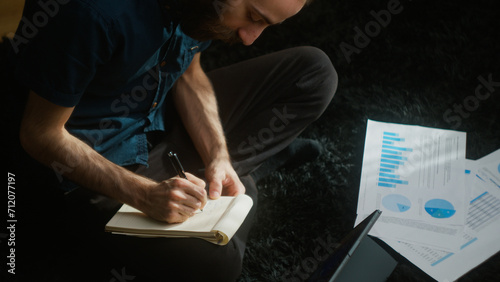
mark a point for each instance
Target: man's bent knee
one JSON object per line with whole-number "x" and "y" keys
{"x": 319, "y": 79}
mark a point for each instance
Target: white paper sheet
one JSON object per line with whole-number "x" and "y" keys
{"x": 488, "y": 170}
{"x": 479, "y": 241}
{"x": 442, "y": 237}
{"x": 413, "y": 172}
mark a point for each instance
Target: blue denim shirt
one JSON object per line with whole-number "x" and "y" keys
{"x": 113, "y": 60}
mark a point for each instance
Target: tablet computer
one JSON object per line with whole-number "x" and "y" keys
{"x": 357, "y": 258}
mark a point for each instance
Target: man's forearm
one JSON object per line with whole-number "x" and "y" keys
{"x": 44, "y": 137}
{"x": 80, "y": 163}
{"x": 197, "y": 105}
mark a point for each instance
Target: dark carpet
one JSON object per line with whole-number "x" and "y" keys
{"x": 420, "y": 67}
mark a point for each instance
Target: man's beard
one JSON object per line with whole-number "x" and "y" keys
{"x": 200, "y": 20}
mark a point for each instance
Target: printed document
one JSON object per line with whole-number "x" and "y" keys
{"x": 414, "y": 175}
{"x": 414, "y": 172}
{"x": 480, "y": 238}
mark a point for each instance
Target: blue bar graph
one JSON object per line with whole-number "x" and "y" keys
{"x": 390, "y": 180}
{"x": 397, "y": 148}
{"x": 391, "y": 161}
{"x": 393, "y": 138}
{"x": 388, "y": 175}
{"x": 391, "y": 152}
{"x": 393, "y": 156}
{"x": 388, "y": 185}
{"x": 390, "y": 134}
{"x": 389, "y": 166}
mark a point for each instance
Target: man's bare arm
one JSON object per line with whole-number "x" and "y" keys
{"x": 45, "y": 138}
{"x": 197, "y": 105}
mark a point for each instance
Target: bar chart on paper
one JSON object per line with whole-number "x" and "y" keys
{"x": 393, "y": 156}
{"x": 413, "y": 172}
{"x": 483, "y": 209}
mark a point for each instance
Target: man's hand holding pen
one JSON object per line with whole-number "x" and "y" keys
{"x": 176, "y": 199}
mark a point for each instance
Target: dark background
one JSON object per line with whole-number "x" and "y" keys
{"x": 425, "y": 61}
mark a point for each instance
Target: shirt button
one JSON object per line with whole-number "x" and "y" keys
{"x": 154, "y": 105}
{"x": 163, "y": 63}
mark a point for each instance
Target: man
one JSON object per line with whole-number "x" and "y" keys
{"x": 114, "y": 85}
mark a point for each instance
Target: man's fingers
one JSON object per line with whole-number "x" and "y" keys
{"x": 189, "y": 208}
{"x": 189, "y": 192}
{"x": 214, "y": 189}
{"x": 233, "y": 187}
{"x": 182, "y": 206}
{"x": 198, "y": 190}
{"x": 176, "y": 199}
{"x": 195, "y": 180}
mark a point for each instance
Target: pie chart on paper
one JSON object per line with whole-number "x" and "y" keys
{"x": 396, "y": 203}
{"x": 439, "y": 208}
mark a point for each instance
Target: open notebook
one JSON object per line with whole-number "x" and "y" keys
{"x": 217, "y": 223}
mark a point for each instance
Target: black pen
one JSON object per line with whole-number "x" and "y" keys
{"x": 177, "y": 164}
